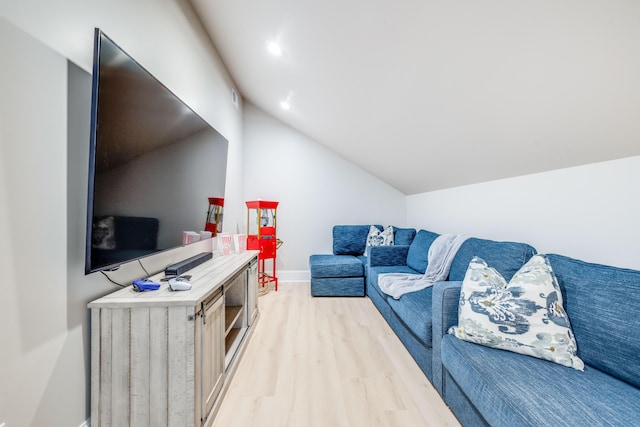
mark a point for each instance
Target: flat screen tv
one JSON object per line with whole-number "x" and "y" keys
{"x": 153, "y": 163}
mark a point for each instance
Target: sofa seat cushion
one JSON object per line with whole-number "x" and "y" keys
{"x": 363, "y": 259}
{"x": 511, "y": 389}
{"x": 374, "y": 272}
{"x": 335, "y": 266}
{"x": 414, "y": 309}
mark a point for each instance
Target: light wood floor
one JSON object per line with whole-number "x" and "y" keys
{"x": 327, "y": 362}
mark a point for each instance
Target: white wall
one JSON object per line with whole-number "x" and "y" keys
{"x": 588, "y": 212}
{"x": 44, "y": 364}
{"x": 33, "y": 167}
{"x": 316, "y": 189}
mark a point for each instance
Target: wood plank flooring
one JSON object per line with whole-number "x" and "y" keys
{"x": 327, "y": 362}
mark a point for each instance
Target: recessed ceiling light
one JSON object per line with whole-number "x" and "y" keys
{"x": 274, "y": 48}
{"x": 285, "y": 105}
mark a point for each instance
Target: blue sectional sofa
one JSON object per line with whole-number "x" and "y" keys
{"x": 486, "y": 386}
{"x": 490, "y": 387}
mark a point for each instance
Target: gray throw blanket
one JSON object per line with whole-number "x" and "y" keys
{"x": 440, "y": 256}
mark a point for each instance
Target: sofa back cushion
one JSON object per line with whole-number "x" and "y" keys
{"x": 417, "y": 258}
{"x": 505, "y": 257}
{"x": 350, "y": 239}
{"x": 403, "y": 236}
{"x": 603, "y": 305}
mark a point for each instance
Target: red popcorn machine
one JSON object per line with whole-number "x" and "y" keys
{"x": 261, "y": 236}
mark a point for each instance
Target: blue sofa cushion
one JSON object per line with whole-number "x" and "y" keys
{"x": 505, "y": 257}
{"x": 525, "y": 316}
{"x": 362, "y": 258}
{"x": 350, "y": 239}
{"x": 403, "y": 236}
{"x": 337, "y": 287}
{"x": 374, "y": 272}
{"x": 388, "y": 255}
{"x": 414, "y": 309}
{"x": 602, "y": 303}
{"x": 511, "y": 389}
{"x": 417, "y": 258}
{"x": 335, "y": 266}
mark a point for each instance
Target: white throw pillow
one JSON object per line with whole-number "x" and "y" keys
{"x": 525, "y": 316}
{"x": 379, "y": 238}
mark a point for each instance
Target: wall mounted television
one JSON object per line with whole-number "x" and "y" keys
{"x": 153, "y": 163}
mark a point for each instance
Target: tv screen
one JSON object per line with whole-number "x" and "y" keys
{"x": 153, "y": 163}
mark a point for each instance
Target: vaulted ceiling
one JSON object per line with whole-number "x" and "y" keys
{"x": 429, "y": 95}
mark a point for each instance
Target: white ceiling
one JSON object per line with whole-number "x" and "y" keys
{"x": 429, "y": 95}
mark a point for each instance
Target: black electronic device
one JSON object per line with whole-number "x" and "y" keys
{"x": 153, "y": 163}
{"x": 186, "y": 265}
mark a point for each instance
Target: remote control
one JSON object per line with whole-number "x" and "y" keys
{"x": 179, "y": 284}
{"x": 141, "y": 285}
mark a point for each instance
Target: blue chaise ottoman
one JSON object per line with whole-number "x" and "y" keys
{"x": 341, "y": 274}
{"x": 336, "y": 275}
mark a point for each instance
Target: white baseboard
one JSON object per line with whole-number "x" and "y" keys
{"x": 86, "y": 423}
{"x": 294, "y": 276}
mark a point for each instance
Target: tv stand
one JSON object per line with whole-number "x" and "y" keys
{"x": 167, "y": 358}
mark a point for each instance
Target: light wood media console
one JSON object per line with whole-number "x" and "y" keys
{"x": 164, "y": 358}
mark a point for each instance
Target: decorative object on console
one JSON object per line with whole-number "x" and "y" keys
{"x": 261, "y": 235}
{"x": 190, "y": 237}
{"x": 379, "y": 238}
{"x": 240, "y": 243}
{"x": 214, "y": 215}
{"x": 224, "y": 243}
{"x": 524, "y": 316}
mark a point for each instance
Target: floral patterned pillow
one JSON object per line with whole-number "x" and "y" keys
{"x": 525, "y": 316}
{"x": 379, "y": 238}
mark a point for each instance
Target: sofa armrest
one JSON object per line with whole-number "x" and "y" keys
{"x": 446, "y": 297}
{"x": 387, "y": 255}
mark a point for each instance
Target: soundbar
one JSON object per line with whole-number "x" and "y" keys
{"x": 186, "y": 265}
